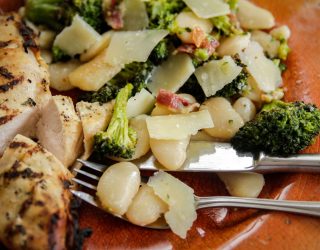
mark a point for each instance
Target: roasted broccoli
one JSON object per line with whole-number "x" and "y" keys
{"x": 57, "y": 14}
{"x": 162, "y": 51}
{"x": 236, "y": 87}
{"x": 193, "y": 88}
{"x": 163, "y": 12}
{"x": 224, "y": 26}
{"x": 136, "y": 73}
{"x": 279, "y": 129}
{"x": 92, "y": 13}
{"x": 105, "y": 94}
{"x": 59, "y": 55}
{"x": 119, "y": 140}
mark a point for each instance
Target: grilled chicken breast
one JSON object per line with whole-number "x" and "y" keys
{"x": 59, "y": 130}
{"x": 24, "y": 85}
{"x": 94, "y": 118}
{"x": 34, "y": 195}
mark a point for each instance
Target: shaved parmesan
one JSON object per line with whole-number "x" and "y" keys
{"x": 177, "y": 127}
{"x": 172, "y": 74}
{"x": 92, "y": 75}
{"x": 77, "y": 38}
{"x": 266, "y": 74}
{"x": 135, "y": 15}
{"x": 208, "y": 8}
{"x": 180, "y": 199}
{"x": 251, "y": 16}
{"x": 267, "y": 42}
{"x": 97, "y": 48}
{"x": 141, "y": 103}
{"x": 216, "y": 74}
{"x": 133, "y": 46}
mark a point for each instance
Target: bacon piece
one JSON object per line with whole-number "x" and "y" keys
{"x": 210, "y": 45}
{"x": 113, "y": 14}
{"x": 174, "y": 102}
{"x": 198, "y": 36}
{"x": 187, "y": 48}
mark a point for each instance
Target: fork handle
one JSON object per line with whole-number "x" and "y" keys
{"x": 297, "y": 163}
{"x": 299, "y": 207}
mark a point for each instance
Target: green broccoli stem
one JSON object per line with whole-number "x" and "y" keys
{"x": 56, "y": 14}
{"x": 120, "y": 107}
{"x": 118, "y": 140}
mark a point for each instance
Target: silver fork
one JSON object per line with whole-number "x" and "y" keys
{"x": 299, "y": 207}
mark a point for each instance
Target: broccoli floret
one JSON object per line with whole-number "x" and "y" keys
{"x": 224, "y": 26}
{"x": 91, "y": 11}
{"x": 236, "y": 87}
{"x": 279, "y": 129}
{"x": 59, "y": 55}
{"x": 105, "y": 94}
{"x": 193, "y": 88}
{"x": 119, "y": 140}
{"x": 57, "y": 14}
{"x": 162, "y": 51}
{"x": 163, "y": 12}
{"x": 136, "y": 73}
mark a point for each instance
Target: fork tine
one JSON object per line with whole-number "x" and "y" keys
{"x": 83, "y": 183}
{"x": 86, "y": 197}
{"x": 95, "y": 166}
{"x": 92, "y": 176}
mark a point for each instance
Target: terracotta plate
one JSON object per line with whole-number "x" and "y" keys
{"x": 229, "y": 228}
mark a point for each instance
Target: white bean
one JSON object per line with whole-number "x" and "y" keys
{"x": 282, "y": 32}
{"x": 225, "y": 119}
{"x": 117, "y": 187}
{"x": 189, "y": 20}
{"x": 233, "y": 45}
{"x": 245, "y": 108}
{"x": 267, "y": 42}
{"x": 46, "y": 39}
{"x": 253, "y": 92}
{"x": 243, "y": 184}
{"x": 251, "y": 16}
{"x": 170, "y": 153}
{"x": 59, "y": 73}
{"x": 146, "y": 207}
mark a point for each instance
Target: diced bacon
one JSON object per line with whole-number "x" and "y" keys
{"x": 187, "y": 48}
{"x": 113, "y": 15}
{"x": 210, "y": 45}
{"x": 198, "y": 36}
{"x": 175, "y": 103}
{"x": 171, "y": 100}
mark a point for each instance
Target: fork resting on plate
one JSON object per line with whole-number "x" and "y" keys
{"x": 299, "y": 207}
